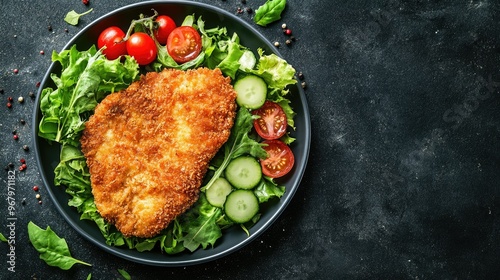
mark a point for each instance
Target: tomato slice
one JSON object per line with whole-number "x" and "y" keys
{"x": 142, "y": 47}
{"x": 165, "y": 26}
{"x": 272, "y": 123}
{"x": 112, "y": 38}
{"x": 280, "y": 159}
{"x": 184, "y": 44}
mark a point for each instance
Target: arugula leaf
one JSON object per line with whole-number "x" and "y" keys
{"x": 53, "y": 249}
{"x": 72, "y": 17}
{"x": 2, "y": 238}
{"x": 89, "y": 276}
{"x": 269, "y": 12}
{"x": 85, "y": 79}
{"x": 201, "y": 225}
{"x": 239, "y": 143}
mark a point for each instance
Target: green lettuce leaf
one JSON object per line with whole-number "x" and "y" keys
{"x": 85, "y": 78}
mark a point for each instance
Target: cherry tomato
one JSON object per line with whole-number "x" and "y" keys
{"x": 142, "y": 47}
{"x": 184, "y": 44}
{"x": 272, "y": 123}
{"x": 112, "y": 38}
{"x": 165, "y": 26}
{"x": 280, "y": 159}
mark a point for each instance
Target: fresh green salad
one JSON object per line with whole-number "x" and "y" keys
{"x": 242, "y": 176}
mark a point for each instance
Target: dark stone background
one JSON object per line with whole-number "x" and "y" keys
{"x": 404, "y": 170}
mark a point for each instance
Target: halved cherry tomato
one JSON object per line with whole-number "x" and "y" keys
{"x": 280, "y": 159}
{"x": 165, "y": 26}
{"x": 112, "y": 38}
{"x": 142, "y": 47}
{"x": 184, "y": 44}
{"x": 272, "y": 123}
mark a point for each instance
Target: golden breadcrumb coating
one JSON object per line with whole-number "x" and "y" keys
{"x": 148, "y": 147}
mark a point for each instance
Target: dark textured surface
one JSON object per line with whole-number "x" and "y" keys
{"x": 404, "y": 171}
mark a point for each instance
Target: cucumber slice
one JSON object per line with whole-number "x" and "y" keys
{"x": 244, "y": 172}
{"x": 251, "y": 92}
{"x": 247, "y": 60}
{"x": 241, "y": 206}
{"x": 217, "y": 193}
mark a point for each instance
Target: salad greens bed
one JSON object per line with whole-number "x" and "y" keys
{"x": 87, "y": 77}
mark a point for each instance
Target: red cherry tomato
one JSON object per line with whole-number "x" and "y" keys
{"x": 142, "y": 47}
{"x": 165, "y": 26}
{"x": 272, "y": 123}
{"x": 184, "y": 44}
{"x": 280, "y": 159}
{"x": 112, "y": 38}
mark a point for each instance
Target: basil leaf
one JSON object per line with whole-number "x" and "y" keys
{"x": 53, "y": 249}
{"x": 72, "y": 17}
{"x": 269, "y": 12}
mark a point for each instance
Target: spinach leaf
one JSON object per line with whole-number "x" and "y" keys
{"x": 269, "y": 12}
{"x": 53, "y": 249}
{"x": 124, "y": 274}
{"x": 72, "y": 17}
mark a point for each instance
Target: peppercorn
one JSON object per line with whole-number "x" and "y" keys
{"x": 20, "y": 99}
{"x": 288, "y": 42}
{"x": 9, "y": 105}
{"x": 35, "y": 188}
{"x": 85, "y": 2}
{"x": 283, "y": 26}
{"x": 22, "y": 160}
{"x": 301, "y": 75}
{"x": 243, "y": 1}
{"x": 24, "y": 166}
{"x": 38, "y": 196}
{"x": 14, "y": 132}
{"x": 239, "y": 10}
{"x": 11, "y": 164}
{"x": 249, "y": 10}
{"x": 276, "y": 44}
{"x": 304, "y": 85}
{"x": 16, "y": 137}
{"x": 49, "y": 27}
{"x": 6, "y": 168}
{"x": 22, "y": 121}
{"x": 288, "y": 32}
{"x": 31, "y": 94}
{"x": 1, "y": 90}
{"x": 42, "y": 52}
{"x": 26, "y": 148}
{"x": 23, "y": 202}
{"x": 21, "y": 168}
{"x": 16, "y": 71}
{"x": 293, "y": 38}
{"x": 10, "y": 99}
{"x": 39, "y": 202}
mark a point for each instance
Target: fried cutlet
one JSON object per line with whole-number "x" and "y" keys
{"x": 148, "y": 147}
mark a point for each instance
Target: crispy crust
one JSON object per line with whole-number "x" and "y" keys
{"x": 148, "y": 147}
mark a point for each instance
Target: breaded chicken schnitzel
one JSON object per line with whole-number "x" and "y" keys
{"x": 148, "y": 147}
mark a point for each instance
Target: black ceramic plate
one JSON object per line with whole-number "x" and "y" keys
{"x": 234, "y": 238}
